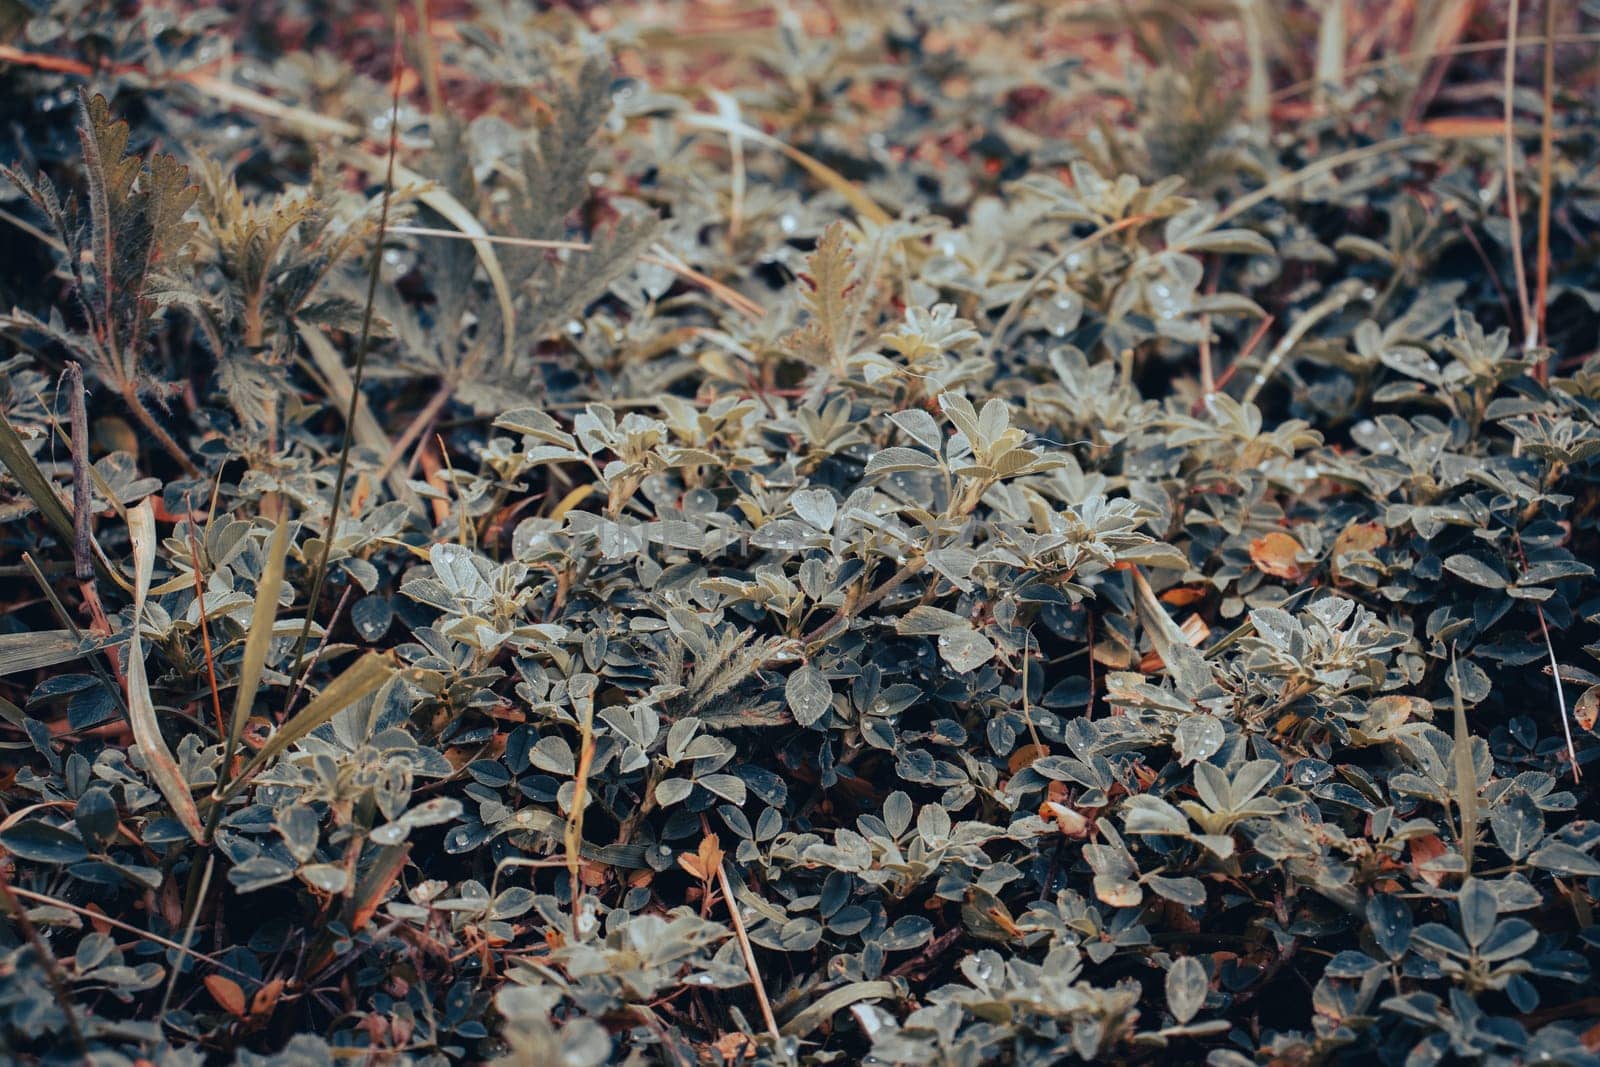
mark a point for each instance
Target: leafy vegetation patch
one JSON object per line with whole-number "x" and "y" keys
{"x": 716, "y": 533}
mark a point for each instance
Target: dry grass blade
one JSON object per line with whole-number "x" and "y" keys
{"x": 732, "y": 297}
{"x": 358, "y": 681}
{"x": 734, "y": 129}
{"x": 464, "y": 220}
{"x": 258, "y": 642}
{"x": 44, "y": 648}
{"x": 14, "y": 454}
{"x": 1541, "y": 298}
{"x": 572, "y": 834}
{"x": 52, "y": 966}
{"x": 1561, "y": 696}
{"x": 314, "y": 127}
{"x": 1466, "y": 771}
{"x": 158, "y": 759}
{"x": 749, "y": 954}
{"x": 828, "y": 1005}
{"x": 1164, "y": 633}
{"x": 77, "y": 634}
{"x": 1328, "y": 305}
{"x": 1530, "y": 330}
{"x": 341, "y": 389}
{"x": 1015, "y": 308}
{"x": 374, "y": 271}
{"x": 145, "y": 935}
{"x": 1258, "y": 91}
{"x": 1332, "y": 41}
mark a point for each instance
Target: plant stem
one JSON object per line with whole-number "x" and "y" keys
{"x": 748, "y": 952}
{"x": 47, "y": 960}
{"x": 130, "y": 396}
{"x": 1541, "y": 298}
{"x": 1530, "y": 330}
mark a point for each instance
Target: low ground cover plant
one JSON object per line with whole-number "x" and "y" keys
{"x": 796, "y": 534}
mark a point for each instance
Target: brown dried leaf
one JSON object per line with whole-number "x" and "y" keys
{"x": 1277, "y": 554}
{"x": 227, "y": 994}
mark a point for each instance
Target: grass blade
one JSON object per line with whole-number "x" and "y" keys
{"x": 258, "y": 642}
{"x": 736, "y": 130}
{"x": 331, "y": 534}
{"x": 44, "y": 648}
{"x": 14, "y": 454}
{"x": 141, "y": 709}
{"x": 341, "y": 388}
{"x": 361, "y": 679}
{"x": 1466, "y": 771}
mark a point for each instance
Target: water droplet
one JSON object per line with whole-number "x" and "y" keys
{"x": 947, "y": 246}
{"x": 787, "y": 223}
{"x": 574, "y": 327}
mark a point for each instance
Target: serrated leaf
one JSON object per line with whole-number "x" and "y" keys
{"x": 808, "y": 695}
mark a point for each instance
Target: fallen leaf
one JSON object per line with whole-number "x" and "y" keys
{"x": 1587, "y": 710}
{"x": 734, "y": 1046}
{"x": 1024, "y": 757}
{"x": 1070, "y": 821}
{"x": 266, "y": 997}
{"x": 1277, "y": 554}
{"x": 1357, "y": 539}
{"x": 1424, "y": 850}
{"x": 227, "y": 994}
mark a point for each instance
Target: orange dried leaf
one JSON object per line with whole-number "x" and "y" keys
{"x": 1024, "y": 757}
{"x": 733, "y": 1047}
{"x": 1277, "y": 554}
{"x": 227, "y": 994}
{"x": 266, "y": 997}
{"x": 1424, "y": 850}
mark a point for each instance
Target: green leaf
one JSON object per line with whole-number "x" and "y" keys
{"x": 1475, "y": 571}
{"x": 808, "y": 695}
{"x": 43, "y": 843}
{"x": 1563, "y": 858}
{"x": 1517, "y": 824}
{"x": 965, "y": 650}
{"x": 1187, "y": 984}
{"x": 890, "y": 460}
{"x": 1479, "y": 910}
